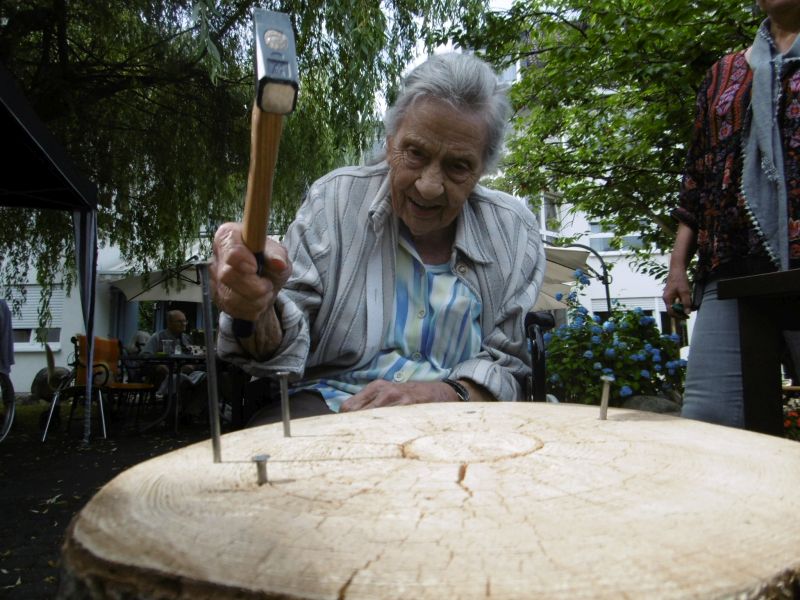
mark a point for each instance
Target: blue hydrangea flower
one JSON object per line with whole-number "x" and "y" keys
{"x": 648, "y": 347}
{"x": 674, "y": 337}
{"x": 645, "y": 373}
{"x": 578, "y": 273}
{"x": 638, "y": 310}
{"x": 595, "y": 339}
{"x": 583, "y": 279}
{"x": 609, "y": 326}
{"x": 597, "y": 366}
{"x": 554, "y": 377}
{"x": 610, "y": 353}
{"x": 608, "y": 371}
{"x": 596, "y": 318}
{"x": 547, "y": 337}
{"x": 588, "y": 354}
{"x": 657, "y": 368}
{"x": 625, "y": 391}
{"x": 682, "y": 362}
{"x": 597, "y": 330}
{"x": 559, "y": 296}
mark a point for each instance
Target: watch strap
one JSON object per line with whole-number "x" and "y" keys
{"x": 461, "y": 391}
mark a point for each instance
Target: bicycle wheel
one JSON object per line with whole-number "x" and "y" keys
{"x": 7, "y": 405}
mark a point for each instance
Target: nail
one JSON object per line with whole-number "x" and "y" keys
{"x": 261, "y": 467}
{"x": 607, "y": 379}
{"x": 283, "y": 376}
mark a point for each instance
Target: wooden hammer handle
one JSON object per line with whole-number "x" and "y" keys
{"x": 265, "y": 138}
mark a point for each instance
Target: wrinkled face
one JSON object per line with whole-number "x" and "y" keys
{"x": 435, "y": 159}
{"x": 176, "y": 323}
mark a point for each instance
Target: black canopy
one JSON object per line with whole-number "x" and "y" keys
{"x": 37, "y": 173}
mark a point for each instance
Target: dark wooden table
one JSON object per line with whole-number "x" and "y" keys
{"x": 768, "y": 304}
{"x": 174, "y": 362}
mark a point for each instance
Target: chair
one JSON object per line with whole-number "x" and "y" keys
{"x": 108, "y": 387}
{"x": 536, "y": 323}
{"x": 59, "y": 384}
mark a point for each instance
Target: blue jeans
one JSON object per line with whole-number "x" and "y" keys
{"x": 713, "y": 389}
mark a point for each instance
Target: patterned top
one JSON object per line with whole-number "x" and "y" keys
{"x": 434, "y": 327}
{"x": 340, "y": 299}
{"x": 711, "y": 200}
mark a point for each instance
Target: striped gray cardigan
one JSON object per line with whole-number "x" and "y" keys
{"x": 342, "y": 245}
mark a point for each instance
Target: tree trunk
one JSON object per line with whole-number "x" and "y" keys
{"x": 508, "y": 500}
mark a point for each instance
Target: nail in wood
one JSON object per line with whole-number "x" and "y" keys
{"x": 261, "y": 467}
{"x": 604, "y": 399}
{"x": 283, "y": 376}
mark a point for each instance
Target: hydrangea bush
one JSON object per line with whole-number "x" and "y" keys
{"x": 627, "y": 347}
{"x": 791, "y": 418}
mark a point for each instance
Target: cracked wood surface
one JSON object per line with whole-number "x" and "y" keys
{"x": 501, "y": 500}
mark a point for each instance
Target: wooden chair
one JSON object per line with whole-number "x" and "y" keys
{"x": 109, "y": 387}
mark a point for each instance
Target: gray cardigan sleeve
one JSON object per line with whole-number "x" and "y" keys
{"x": 509, "y": 284}
{"x": 295, "y": 305}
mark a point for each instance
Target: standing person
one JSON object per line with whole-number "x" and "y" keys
{"x": 740, "y": 202}
{"x": 400, "y": 282}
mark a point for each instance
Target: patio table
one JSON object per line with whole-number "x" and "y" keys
{"x": 174, "y": 362}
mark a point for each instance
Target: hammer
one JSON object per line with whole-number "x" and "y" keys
{"x": 276, "y": 95}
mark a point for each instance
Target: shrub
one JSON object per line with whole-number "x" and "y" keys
{"x": 791, "y": 419}
{"x": 627, "y": 346}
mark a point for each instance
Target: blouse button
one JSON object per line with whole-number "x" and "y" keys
{"x": 416, "y": 356}
{"x": 399, "y": 376}
{"x": 421, "y": 314}
{"x": 461, "y": 268}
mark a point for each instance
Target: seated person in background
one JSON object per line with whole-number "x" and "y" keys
{"x": 401, "y": 282}
{"x": 138, "y": 343}
{"x": 175, "y": 332}
{"x": 191, "y": 384}
{"x": 135, "y": 348}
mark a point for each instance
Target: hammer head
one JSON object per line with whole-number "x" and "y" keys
{"x": 276, "y": 62}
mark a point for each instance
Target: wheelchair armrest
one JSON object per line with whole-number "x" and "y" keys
{"x": 544, "y": 319}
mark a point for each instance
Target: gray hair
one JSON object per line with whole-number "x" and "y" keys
{"x": 467, "y": 83}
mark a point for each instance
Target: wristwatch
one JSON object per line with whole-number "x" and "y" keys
{"x": 463, "y": 393}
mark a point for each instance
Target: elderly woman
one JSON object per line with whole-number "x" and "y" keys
{"x": 739, "y": 204}
{"x": 401, "y": 282}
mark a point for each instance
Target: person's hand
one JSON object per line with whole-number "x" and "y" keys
{"x": 386, "y": 393}
{"x": 236, "y": 286}
{"x": 677, "y": 289}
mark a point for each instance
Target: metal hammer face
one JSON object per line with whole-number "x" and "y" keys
{"x": 276, "y": 62}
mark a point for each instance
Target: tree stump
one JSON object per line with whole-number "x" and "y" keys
{"x": 506, "y": 500}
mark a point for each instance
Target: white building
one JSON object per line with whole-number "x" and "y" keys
{"x": 627, "y": 286}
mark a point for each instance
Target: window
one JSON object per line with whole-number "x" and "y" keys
{"x": 25, "y": 325}
{"x": 600, "y": 240}
{"x": 549, "y": 217}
